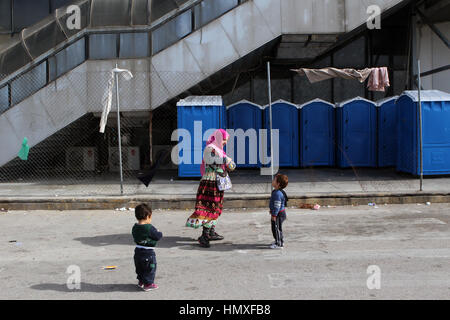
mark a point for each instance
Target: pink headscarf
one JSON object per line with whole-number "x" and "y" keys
{"x": 215, "y": 141}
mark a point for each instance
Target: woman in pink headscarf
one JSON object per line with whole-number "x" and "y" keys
{"x": 209, "y": 203}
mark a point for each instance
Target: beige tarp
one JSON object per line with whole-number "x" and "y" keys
{"x": 378, "y": 77}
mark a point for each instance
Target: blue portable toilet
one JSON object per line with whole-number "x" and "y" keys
{"x": 199, "y": 116}
{"x": 387, "y": 132}
{"x": 435, "y": 132}
{"x": 317, "y": 133}
{"x": 285, "y": 118}
{"x": 241, "y": 117}
{"x": 356, "y": 124}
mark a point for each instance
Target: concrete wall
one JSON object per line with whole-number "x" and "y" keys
{"x": 356, "y": 11}
{"x": 433, "y": 54}
{"x": 327, "y": 16}
{"x": 313, "y": 16}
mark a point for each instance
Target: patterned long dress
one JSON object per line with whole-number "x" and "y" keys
{"x": 209, "y": 202}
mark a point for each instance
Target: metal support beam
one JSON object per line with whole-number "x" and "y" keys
{"x": 413, "y": 56}
{"x": 116, "y": 75}
{"x": 150, "y": 133}
{"x": 420, "y": 131}
{"x": 12, "y": 18}
{"x": 440, "y": 69}
{"x": 434, "y": 28}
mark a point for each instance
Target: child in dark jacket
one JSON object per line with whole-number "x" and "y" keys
{"x": 278, "y": 202}
{"x": 145, "y": 236}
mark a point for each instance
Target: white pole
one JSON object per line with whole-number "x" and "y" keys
{"x": 270, "y": 118}
{"x": 116, "y": 74}
{"x": 420, "y": 128}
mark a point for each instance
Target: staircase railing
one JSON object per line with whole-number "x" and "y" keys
{"x": 26, "y": 76}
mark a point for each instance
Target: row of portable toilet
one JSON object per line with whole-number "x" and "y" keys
{"x": 353, "y": 133}
{"x": 319, "y": 133}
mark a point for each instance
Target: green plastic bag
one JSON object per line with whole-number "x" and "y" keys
{"x": 23, "y": 153}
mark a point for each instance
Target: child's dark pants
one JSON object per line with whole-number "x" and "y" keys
{"x": 145, "y": 263}
{"x": 277, "y": 228}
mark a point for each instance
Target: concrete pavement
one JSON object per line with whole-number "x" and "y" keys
{"x": 327, "y": 255}
{"x": 245, "y": 182}
{"x": 326, "y": 186}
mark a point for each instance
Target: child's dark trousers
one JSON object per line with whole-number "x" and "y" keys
{"x": 145, "y": 263}
{"x": 277, "y": 228}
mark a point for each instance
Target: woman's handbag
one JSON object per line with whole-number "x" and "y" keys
{"x": 223, "y": 182}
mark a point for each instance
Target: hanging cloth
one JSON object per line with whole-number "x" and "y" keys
{"x": 23, "y": 153}
{"x": 378, "y": 77}
{"x": 148, "y": 176}
{"x": 316, "y": 75}
{"x": 108, "y": 95}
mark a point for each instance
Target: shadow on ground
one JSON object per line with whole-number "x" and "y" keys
{"x": 127, "y": 239}
{"x": 226, "y": 246}
{"x": 87, "y": 287}
{"x": 107, "y": 240}
{"x": 184, "y": 243}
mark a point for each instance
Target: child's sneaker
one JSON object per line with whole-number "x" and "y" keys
{"x": 149, "y": 287}
{"x": 275, "y": 246}
{"x": 141, "y": 284}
